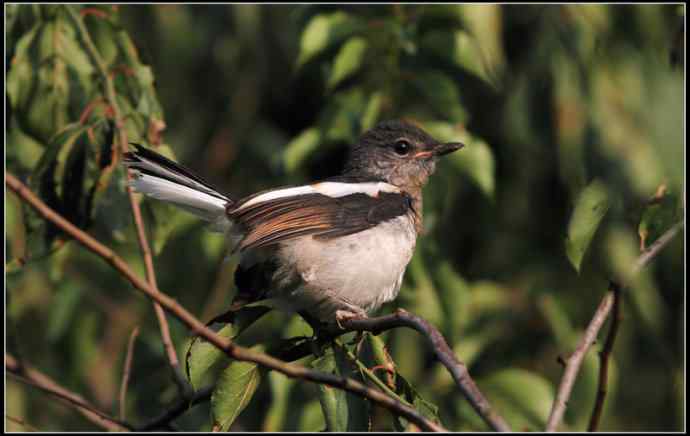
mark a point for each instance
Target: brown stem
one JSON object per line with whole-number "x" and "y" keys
{"x": 234, "y": 351}
{"x": 111, "y": 98}
{"x": 574, "y": 362}
{"x": 21, "y": 422}
{"x": 127, "y": 371}
{"x": 33, "y": 377}
{"x": 605, "y": 356}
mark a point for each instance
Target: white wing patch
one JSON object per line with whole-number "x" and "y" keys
{"x": 330, "y": 189}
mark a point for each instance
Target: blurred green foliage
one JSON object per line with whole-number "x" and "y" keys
{"x": 573, "y": 120}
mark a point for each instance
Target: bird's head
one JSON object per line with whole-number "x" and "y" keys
{"x": 398, "y": 153}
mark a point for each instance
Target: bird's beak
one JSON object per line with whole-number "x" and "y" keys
{"x": 439, "y": 150}
{"x": 448, "y": 147}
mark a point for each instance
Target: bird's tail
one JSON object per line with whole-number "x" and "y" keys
{"x": 163, "y": 179}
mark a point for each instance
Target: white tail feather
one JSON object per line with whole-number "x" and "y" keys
{"x": 201, "y": 204}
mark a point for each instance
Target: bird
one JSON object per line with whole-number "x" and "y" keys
{"x": 332, "y": 250}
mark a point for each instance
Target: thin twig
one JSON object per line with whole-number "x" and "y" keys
{"x": 574, "y": 362}
{"x": 21, "y": 422}
{"x": 604, "y": 358}
{"x": 234, "y": 351}
{"x": 457, "y": 369}
{"x": 653, "y": 250}
{"x": 111, "y": 98}
{"x": 181, "y": 406}
{"x": 127, "y": 371}
{"x": 33, "y": 377}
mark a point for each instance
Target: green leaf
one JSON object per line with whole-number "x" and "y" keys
{"x": 203, "y": 357}
{"x": 424, "y": 407}
{"x": 324, "y": 31}
{"x": 342, "y": 411}
{"x": 372, "y": 111}
{"x": 300, "y": 148}
{"x": 63, "y": 307}
{"x": 440, "y": 94}
{"x": 590, "y": 208}
{"x": 427, "y": 303}
{"x": 464, "y": 51}
{"x": 235, "y": 389}
{"x": 281, "y": 387}
{"x": 348, "y": 61}
{"x": 658, "y": 218}
{"x": 311, "y": 418}
{"x": 524, "y": 398}
{"x": 456, "y": 299}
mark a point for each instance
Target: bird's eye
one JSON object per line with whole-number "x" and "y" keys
{"x": 402, "y": 147}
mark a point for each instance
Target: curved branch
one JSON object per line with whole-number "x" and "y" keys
{"x": 443, "y": 352}
{"x": 228, "y": 347}
{"x": 574, "y": 362}
{"x": 33, "y": 377}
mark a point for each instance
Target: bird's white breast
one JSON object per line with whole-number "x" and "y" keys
{"x": 364, "y": 269}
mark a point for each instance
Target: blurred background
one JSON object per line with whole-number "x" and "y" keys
{"x": 550, "y": 99}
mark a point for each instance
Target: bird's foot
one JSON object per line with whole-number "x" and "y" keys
{"x": 346, "y": 315}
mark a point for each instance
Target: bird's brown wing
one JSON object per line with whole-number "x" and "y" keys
{"x": 322, "y": 216}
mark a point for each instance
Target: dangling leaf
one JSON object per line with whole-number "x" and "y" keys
{"x": 342, "y": 411}
{"x": 348, "y": 61}
{"x": 234, "y": 390}
{"x": 590, "y": 208}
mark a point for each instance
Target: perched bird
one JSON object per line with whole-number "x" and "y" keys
{"x": 331, "y": 250}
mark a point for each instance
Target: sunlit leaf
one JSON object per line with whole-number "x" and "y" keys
{"x": 325, "y": 30}
{"x": 590, "y": 208}
{"x": 233, "y": 392}
{"x": 280, "y": 406}
{"x": 202, "y": 356}
{"x": 465, "y": 52}
{"x": 348, "y": 60}
{"x": 300, "y": 148}
{"x": 372, "y": 111}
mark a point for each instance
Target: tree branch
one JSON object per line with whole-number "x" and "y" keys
{"x": 442, "y": 352}
{"x": 33, "y": 377}
{"x": 228, "y": 347}
{"x": 574, "y": 362}
{"x": 126, "y": 371}
{"x": 604, "y": 357}
{"x": 111, "y": 98}
{"x": 177, "y": 409}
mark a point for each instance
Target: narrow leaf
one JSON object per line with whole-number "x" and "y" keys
{"x": 300, "y": 148}
{"x": 323, "y": 31}
{"x": 348, "y": 61}
{"x": 590, "y": 207}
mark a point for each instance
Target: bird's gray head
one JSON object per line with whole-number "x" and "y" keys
{"x": 398, "y": 153}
